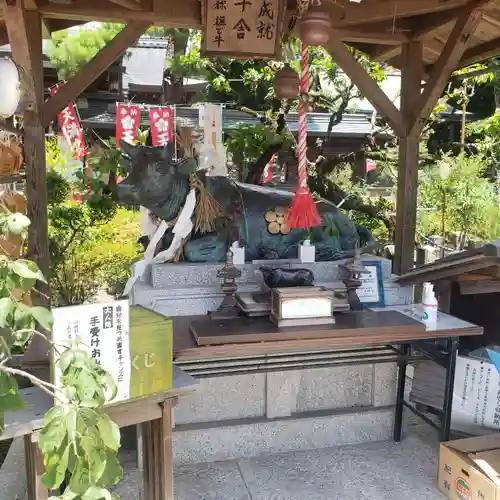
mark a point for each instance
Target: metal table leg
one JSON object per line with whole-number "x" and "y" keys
{"x": 398, "y": 416}
{"x": 452, "y": 348}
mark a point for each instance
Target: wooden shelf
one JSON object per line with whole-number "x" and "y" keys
{"x": 9, "y": 179}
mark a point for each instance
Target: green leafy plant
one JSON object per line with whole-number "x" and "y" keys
{"x": 471, "y": 201}
{"x": 77, "y": 435}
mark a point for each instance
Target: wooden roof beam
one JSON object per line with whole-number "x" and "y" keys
{"x": 128, "y": 4}
{"x": 367, "y": 85}
{"x": 480, "y": 53}
{"x": 369, "y": 36}
{"x": 102, "y": 61}
{"x": 363, "y": 13}
{"x": 181, "y": 14}
{"x": 445, "y": 65}
{"x": 387, "y": 54}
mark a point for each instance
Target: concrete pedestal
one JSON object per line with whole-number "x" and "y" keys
{"x": 246, "y": 415}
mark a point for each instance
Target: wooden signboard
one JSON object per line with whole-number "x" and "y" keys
{"x": 242, "y": 28}
{"x": 134, "y": 345}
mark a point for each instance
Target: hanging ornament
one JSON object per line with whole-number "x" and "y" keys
{"x": 12, "y": 88}
{"x": 303, "y": 212}
{"x": 315, "y": 25}
{"x": 286, "y": 83}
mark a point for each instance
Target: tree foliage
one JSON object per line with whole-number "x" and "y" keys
{"x": 69, "y": 51}
{"x": 466, "y": 199}
{"x": 77, "y": 436}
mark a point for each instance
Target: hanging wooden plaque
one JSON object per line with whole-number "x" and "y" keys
{"x": 242, "y": 28}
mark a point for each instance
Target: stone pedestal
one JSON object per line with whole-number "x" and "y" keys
{"x": 245, "y": 415}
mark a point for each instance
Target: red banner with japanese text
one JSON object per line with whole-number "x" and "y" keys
{"x": 128, "y": 120}
{"x": 161, "y": 125}
{"x": 70, "y": 127}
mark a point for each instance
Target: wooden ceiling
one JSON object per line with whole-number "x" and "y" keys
{"x": 377, "y": 27}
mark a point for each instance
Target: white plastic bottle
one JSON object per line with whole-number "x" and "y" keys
{"x": 430, "y": 304}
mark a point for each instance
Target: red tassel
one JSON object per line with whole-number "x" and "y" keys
{"x": 303, "y": 213}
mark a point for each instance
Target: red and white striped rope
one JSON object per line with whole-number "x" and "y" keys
{"x": 303, "y": 109}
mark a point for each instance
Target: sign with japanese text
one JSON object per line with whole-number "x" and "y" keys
{"x": 242, "y": 28}
{"x": 476, "y": 396}
{"x": 133, "y": 344}
{"x": 104, "y": 332}
{"x": 128, "y": 120}
{"x": 161, "y": 125}
{"x": 70, "y": 127}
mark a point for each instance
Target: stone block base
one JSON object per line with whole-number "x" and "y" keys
{"x": 194, "y": 444}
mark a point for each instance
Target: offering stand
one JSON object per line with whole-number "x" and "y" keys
{"x": 390, "y": 335}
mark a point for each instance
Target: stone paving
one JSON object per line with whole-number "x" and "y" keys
{"x": 375, "y": 471}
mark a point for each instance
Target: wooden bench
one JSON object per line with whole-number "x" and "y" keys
{"x": 152, "y": 415}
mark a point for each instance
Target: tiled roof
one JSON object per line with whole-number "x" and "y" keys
{"x": 352, "y": 125}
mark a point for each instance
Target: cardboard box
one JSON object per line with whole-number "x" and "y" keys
{"x": 469, "y": 469}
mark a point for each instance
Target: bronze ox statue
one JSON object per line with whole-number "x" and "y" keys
{"x": 257, "y": 213}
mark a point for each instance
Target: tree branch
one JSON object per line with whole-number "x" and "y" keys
{"x": 257, "y": 169}
{"x": 50, "y": 389}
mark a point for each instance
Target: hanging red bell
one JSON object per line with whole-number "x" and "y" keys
{"x": 286, "y": 83}
{"x": 315, "y": 26}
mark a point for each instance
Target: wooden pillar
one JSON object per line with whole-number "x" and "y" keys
{"x": 25, "y": 37}
{"x": 157, "y": 461}
{"x": 406, "y": 204}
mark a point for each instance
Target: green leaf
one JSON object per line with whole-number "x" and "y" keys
{"x": 94, "y": 493}
{"x": 56, "y": 412}
{"x": 55, "y": 429}
{"x": 113, "y": 472}
{"x": 2, "y": 421}
{"x": 67, "y": 495}
{"x": 110, "y": 432}
{"x": 56, "y": 465}
{"x": 21, "y": 268}
{"x": 65, "y": 360}
{"x": 8, "y": 384}
{"x": 12, "y": 402}
{"x": 23, "y": 320}
{"x": 43, "y": 316}
{"x": 6, "y": 307}
{"x": 80, "y": 478}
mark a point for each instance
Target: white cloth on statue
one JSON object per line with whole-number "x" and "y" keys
{"x": 181, "y": 230}
{"x": 148, "y": 227}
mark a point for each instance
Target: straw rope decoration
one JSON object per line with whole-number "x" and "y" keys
{"x": 303, "y": 212}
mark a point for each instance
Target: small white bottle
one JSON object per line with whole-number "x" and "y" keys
{"x": 307, "y": 252}
{"x": 238, "y": 254}
{"x": 430, "y": 305}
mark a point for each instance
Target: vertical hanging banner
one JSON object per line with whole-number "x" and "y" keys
{"x": 128, "y": 120}
{"x": 161, "y": 125}
{"x": 70, "y": 127}
{"x": 213, "y": 153}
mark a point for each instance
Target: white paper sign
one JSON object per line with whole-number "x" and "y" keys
{"x": 476, "y": 397}
{"x": 103, "y": 329}
{"x": 369, "y": 291}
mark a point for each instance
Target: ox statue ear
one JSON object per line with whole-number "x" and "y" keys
{"x": 167, "y": 152}
{"x": 187, "y": 166}
{"x": 129, "y": 149}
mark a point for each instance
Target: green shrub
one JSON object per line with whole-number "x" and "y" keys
{"x": 88, "y": 256}
{"x": 113, "y": 248}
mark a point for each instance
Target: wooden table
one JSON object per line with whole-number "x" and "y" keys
{"x": 394, "y": 345}
{"x": 153, "y": 414}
